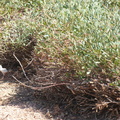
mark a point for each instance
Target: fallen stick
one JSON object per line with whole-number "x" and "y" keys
{"x": 21, "y": 67}
{"x": 39, "y": 88}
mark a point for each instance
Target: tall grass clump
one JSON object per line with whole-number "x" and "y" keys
{"x": 82, "y": 35}
{"x": 18, "y": 31}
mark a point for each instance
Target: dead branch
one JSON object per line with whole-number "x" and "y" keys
{"x": 40, "y": 88}
{"x": 21, "y": 67}
{"x": 29, "y": 63}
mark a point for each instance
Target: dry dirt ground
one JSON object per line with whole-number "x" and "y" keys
{"x": 20, "y": 103}
{"x": 17, "y": 108}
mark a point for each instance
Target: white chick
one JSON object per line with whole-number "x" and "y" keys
{"x": 3, "y": 70}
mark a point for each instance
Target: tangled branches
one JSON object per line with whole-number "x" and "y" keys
{"x": 93, "y": 97}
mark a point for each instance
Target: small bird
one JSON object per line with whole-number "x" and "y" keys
{"x": 3, "y": 71}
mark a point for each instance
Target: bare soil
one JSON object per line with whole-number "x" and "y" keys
{"x": 16, "y": 109}
{"x": 21, "y": 103}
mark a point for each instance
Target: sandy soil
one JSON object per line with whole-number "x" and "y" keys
{"x": 19, "y": 110}
{"x": 16, "y": 113}
{"x": 21, "y": 103}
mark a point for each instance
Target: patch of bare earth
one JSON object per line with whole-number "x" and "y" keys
{"x": 18, "y": 111}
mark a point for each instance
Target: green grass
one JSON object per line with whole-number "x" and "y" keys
{"x": 82, "y": 35}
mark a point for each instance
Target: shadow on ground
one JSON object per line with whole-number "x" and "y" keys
{"x": 28, "y": 98}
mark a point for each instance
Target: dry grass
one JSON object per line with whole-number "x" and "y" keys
{"x": 87, "y": 97}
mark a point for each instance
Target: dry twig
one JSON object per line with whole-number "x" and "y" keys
{"x": 40, "y": 88}
{"x": 21, "y": 67}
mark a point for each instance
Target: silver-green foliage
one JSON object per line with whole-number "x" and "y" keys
{"x": 88, "y": 32}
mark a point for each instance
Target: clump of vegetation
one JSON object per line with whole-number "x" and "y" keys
{"x": 82, "y": 36}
